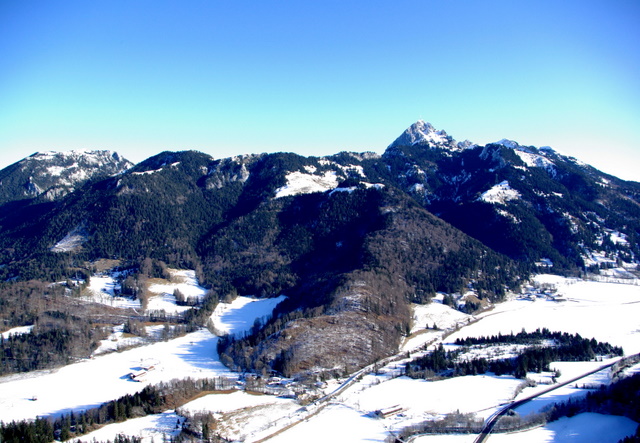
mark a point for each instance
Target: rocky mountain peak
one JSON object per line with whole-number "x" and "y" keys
{"x": 424, "y": 133}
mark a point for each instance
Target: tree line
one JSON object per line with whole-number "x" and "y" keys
{"x": 535, "y": 358}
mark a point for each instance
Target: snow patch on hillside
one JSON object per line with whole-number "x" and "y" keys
{"x": 500, "y": 193}
{"x": 72, "y": 241}
{"x": 301, "y": 183}
{"x": 428, "y": 320}
{"x": 239, "y": 316}
{"x": 20, "y": 330}
{"x": 535, "y": 160}
{"x": 351, "y": 189}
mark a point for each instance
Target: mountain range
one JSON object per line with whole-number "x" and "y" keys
{"x": 350, "y": 239}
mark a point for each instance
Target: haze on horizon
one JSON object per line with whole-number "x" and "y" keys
{"x": 317, "y": 78}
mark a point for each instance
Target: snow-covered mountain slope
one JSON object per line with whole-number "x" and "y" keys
{"x": 542, "y": 203}
{"x": 54, "y": 174}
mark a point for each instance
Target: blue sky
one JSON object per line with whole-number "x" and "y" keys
{"x": 316, "y": 78}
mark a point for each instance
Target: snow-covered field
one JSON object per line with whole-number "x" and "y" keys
{"x": 89, "y": 383}
{"x": 581, "y": 428}
{"x": 607, "y": 312}
{"x": 244, "y": 415}
{"x": 182, "y": 280}
{"x": 336, "y": 423}
{"x": 101, "y": 289}
{"x": 424, "y": 400}
{"x": 152, "y": 428}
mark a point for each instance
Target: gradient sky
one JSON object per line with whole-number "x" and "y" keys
{"x": 318, "y": 77}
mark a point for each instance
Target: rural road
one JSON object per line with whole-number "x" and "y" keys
{"x": 491, "y": 422}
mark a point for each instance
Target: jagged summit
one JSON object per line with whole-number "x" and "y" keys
{"x": 507, "y": 143}
{"x": 424, "y": 133}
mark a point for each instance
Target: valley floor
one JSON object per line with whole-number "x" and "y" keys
{"x": 605, "y": 311}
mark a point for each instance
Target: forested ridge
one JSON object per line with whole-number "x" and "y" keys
{"x": 392, "y": 230}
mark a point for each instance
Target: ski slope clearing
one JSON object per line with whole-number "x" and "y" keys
{"x": 436, "y": 316}
{"x": 239, "y": 316}
{"x": 301, "y": 183}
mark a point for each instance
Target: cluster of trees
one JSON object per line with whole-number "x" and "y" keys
{"x": 38, "y": 431}
{"x": 535, "y": 358}
{"x": 151, "y": 400}
{"x": 566, "y": 345}
{"x": 56, "y": 339}
{"x": 236, "y": 352}
{"x": 452, "y": 423}
{"x": 63, "y": 329}
{"x": 198, "y": 427}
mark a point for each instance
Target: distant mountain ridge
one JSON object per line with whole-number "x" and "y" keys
{"x": 54, "y": 174}
{"x": 351, "y": 239}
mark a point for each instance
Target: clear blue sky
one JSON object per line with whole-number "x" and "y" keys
{"x": 317, "y": 77}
